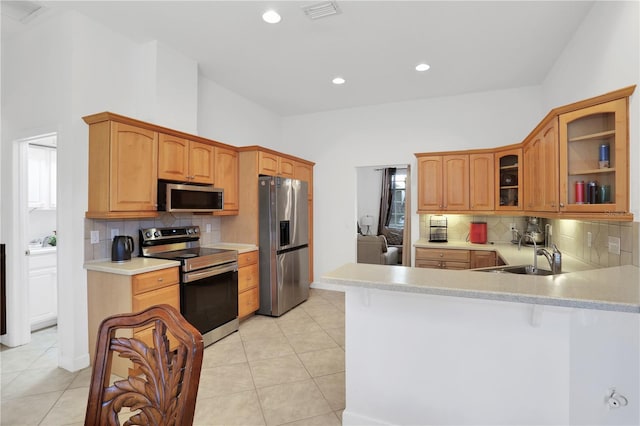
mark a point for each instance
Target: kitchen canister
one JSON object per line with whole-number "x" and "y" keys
{"x": 604, "y": 194}
{"x": 579, "y": 192}
{"x": 592, "y": 192}
{"x": 604, "y": 156}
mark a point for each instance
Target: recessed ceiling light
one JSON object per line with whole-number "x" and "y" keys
{"x": 422, "y": 67}
{"x": 338, "y": 80}
{"x": 271, "y": 17}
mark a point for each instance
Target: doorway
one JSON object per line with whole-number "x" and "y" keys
{"x": 383, "y": 214}
{"x": 33, "y": 287}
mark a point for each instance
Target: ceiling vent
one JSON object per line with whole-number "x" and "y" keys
{"x": 21, "y": 11}
{"x": 321, "y": 10}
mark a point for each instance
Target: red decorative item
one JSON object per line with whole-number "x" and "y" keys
{"x": 478, "y": 232}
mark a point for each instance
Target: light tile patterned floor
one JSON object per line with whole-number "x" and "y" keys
{"x": 274, "y": 371}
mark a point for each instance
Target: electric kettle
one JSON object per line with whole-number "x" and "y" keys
{"x": 121, "y": 248}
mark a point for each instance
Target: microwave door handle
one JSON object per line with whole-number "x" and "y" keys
{"x": 193, "y": 276}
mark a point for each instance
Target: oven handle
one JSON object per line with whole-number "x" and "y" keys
{"x": 210, "y": 272}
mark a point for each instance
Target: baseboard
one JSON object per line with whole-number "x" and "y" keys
{"x": 349, "y": 418}
{"x": 73, "y": 364}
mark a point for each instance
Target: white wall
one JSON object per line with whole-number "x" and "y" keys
{"x": 229, "y": 118}
{"x": 340, "y": 141}
{"x": 73, "y": 67}
{"x": 604, "y": 55}
{"x": 368, "y": 195}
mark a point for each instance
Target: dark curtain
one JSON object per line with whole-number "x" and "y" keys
{"x": 385, "y": 198}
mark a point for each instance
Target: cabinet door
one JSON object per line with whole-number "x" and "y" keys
{"x": 201, "y": 164}
{"x": 455, "y": 182}
{"x": 286, "y": 167}
{"x": 541, "y": 170}
{"x": 173, "y": 158}
{"x": 430, "y": 183}
{"x": 581, "y": 135}
{"x": 267, "y": 163}
{"x": 226, "y": 172}
{"x": 481, "y": 178}
{"x": 248, "y": 302}
{"x": 304, "y": 172}
{"x": 133, "y": 168}
{"x": 43, "y": 296}
{"x": 482, "y": 259}
{"x": 169, "y": 295}
{"x": 508, "y": 179}
{"x": 38, "y": 167}
{"x": 248, "y": 277}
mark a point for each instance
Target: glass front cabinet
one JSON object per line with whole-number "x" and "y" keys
{"x": 508, "y": 179}
{"x": 594, "y": 163}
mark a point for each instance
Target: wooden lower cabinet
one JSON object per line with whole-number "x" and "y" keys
{"x": 248, "y": 283}
{"x": 442, "y": 258}
{"x": 109, "y": 294}
{"x": 482, "y": 259}
{"x": 454, "y": 258}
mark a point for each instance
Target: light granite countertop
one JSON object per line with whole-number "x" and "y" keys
{"x": 609, "y": 289}
{"x": 140, "y": 265}
{"x": 137, "y": 265}
{"x": 510, "y": 254}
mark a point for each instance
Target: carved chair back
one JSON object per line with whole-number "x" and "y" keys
{"x": 168, "y": 370}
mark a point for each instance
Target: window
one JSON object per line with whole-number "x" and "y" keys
{"x": 398, "y": 187}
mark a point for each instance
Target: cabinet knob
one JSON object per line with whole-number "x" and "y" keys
{"x": 160, "y": 279}
{"x": 561, "y": 204}
{"x": 441, "y": 254}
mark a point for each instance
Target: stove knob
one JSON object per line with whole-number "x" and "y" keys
{"x": 147, "y": 234}
{"x": 156, "y": 234}
{"x": 189, "y": 231}
{"x": 195, "y": 230}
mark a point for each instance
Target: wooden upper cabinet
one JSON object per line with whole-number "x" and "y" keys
{"x": 267, "y": 163}
{"x": 582, "y": 136}
{"x": 286, "y": 167}
{"x": 508, "y": 179}
{"x": 541, "y": 169}
{"x": 481, "y": 182}
{"x": 123, "y": 169}
{"x": 455, "y": 181}
{"x": 430, "y": 183}
{"x": 185, "y": 161}
{"x": 226, "y": 177}
{"x": 304, "y": 172}
{"x": 443, "y": 183}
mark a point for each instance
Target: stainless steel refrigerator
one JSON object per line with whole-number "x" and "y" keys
{"x": 284, "y": 244}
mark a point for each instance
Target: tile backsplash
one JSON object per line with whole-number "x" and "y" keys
{"x": 102, "y": 250}
{"x": 571, "y": 236}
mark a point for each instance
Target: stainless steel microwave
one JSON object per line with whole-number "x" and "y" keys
{"x": 179, "y": 197}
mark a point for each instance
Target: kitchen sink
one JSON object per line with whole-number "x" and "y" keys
{"x": 517, "y": 269}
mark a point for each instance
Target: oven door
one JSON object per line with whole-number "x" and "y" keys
{"x": 209, "y": 297}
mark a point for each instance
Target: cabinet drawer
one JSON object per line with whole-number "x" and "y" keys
{"x": 441, "y": 264}
{"x": 169, "y": 295}
{"x": 443, "y": 254}
{"x": 248, "y": 277}
{"x": 153, "y": 280}
{"x": 247, "y": 258}
{"x": 248, "y": 302}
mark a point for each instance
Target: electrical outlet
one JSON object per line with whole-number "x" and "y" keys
{"x": 614, "y": 245}
{"x": 207, "y": 227}
{"x": 589, "y": 236}
{"x": 95, "y": 237}
{"x": 512, "y": 227}
{"x": 114, "y": 232}
{"x": 550, "y": 230}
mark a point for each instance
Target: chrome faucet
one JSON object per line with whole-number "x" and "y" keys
{"x": 554, "y": 259}
{"x": 535, "y": 250}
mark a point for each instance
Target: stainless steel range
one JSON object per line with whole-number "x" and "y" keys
{"x": 208, "y": 278}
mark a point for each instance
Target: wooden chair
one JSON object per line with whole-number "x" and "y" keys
{"x": 165, "y": 393}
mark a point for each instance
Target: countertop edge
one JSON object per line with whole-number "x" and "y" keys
{"x": 135, "y": 266}
{"x": 346, "y": 278}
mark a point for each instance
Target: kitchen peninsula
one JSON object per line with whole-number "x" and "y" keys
{"x": 430, "y": 346}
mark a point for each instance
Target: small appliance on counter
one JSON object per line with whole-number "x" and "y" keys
{"x": 438, "y": 229}
{"x": 478, "y": 232}
{"x": 533, "y": 231}
{"x": 121, "y": 248}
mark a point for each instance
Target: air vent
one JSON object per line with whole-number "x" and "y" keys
{"x": 321, "y": 10}
{"x": 21, "y": 11}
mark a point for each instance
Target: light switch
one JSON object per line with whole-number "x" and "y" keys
{"x": 208, "y": 227}
{"x": 114, "y": 232}
{"x": 589, "y": 236}
{"x": 95, "y": 237}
